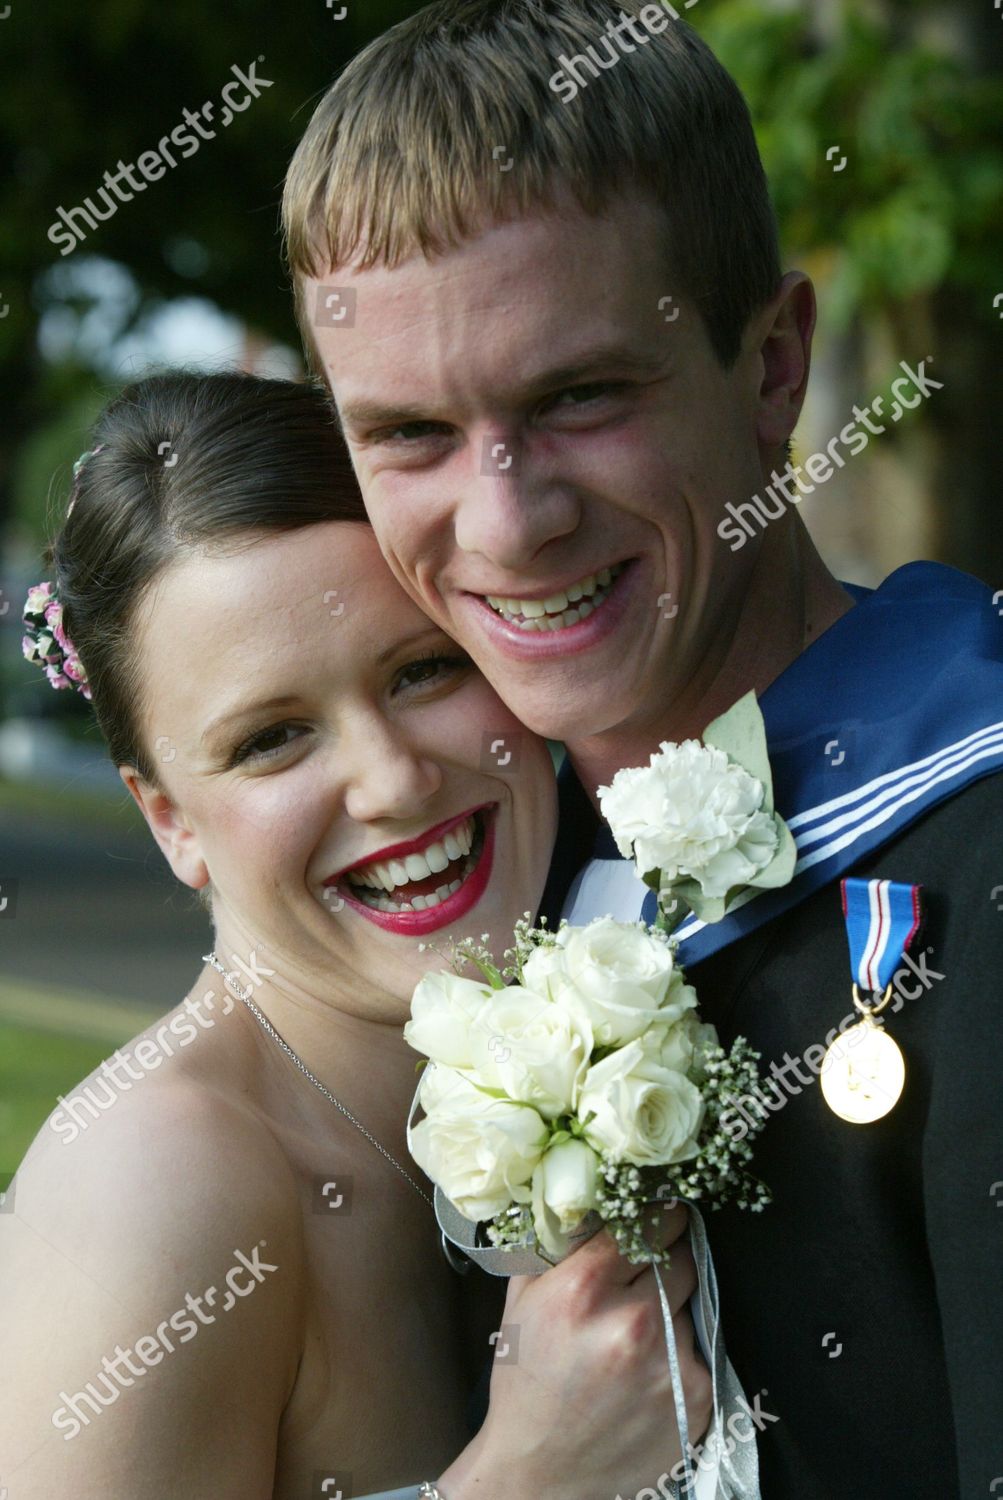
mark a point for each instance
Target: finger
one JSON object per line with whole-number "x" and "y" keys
{"x": 609, "y": 1269}
{"x": 679, "y": 1277}
{"x": 664, "y": 1223}
{"x": 663, "y": 1230}
{"x": 697, "y": 1385}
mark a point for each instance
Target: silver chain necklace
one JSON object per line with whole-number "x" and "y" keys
{"x": 242, "y": 994}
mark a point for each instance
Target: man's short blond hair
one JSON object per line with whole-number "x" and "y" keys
{"x": 472, "y": 112}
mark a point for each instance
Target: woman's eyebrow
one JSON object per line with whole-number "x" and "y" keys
{"x": 246, "y": 710}
{"x": 428, "y": 632}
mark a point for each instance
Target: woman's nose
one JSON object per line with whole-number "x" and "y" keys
{"x": 388, "y": 775}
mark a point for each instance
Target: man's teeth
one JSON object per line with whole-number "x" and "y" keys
{"x": 561, "y": 610}
{"x": 433, "y": 860}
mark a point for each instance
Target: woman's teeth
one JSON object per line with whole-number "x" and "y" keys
{"x": 557, "y": 613}
{"x": 371, "y": 882}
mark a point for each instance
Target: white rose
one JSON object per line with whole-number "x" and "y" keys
{"x": 481, "y": 1151}
{"x": 617, "y": 976}
{"x": 692, "y": 813}
{"x": 564, "y": 1190}
{"x": 644, "y": 1113}
{"x": 680, "y": 1046}
{"x": 546, "y": 961}
{"x": 535, "y": 1051}
{"x": 445, "y": 1009}
{"x": 437, "y": 1083}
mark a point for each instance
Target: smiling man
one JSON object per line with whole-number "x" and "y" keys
{"x": 536, "y": 263}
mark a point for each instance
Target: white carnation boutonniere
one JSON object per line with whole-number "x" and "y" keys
{"x": 699, "y": 820}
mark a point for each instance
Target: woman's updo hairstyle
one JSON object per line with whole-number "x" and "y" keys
{"x": 185, "y": 462}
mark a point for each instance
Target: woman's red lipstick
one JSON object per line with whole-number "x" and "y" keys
{"x": 455, "y": 906}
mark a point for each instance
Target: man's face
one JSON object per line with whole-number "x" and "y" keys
{"x": 546, "y": 443}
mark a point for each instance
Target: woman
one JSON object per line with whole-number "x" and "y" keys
{"x": 224, "y": 1276}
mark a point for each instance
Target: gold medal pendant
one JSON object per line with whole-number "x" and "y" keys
{"x": 863, "y": 1072}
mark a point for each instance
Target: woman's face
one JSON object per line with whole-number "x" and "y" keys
{"x": 334, "y": 764}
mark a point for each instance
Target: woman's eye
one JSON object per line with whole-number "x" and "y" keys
{"x": 265, "y": 744}
{"x": 410, "y": 432}
{"x": 432, "y": 669}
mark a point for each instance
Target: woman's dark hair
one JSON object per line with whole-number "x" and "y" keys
{"x": 188, "y": 462}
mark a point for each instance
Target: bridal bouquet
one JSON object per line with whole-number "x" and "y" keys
{"x": 577, "y": 1079}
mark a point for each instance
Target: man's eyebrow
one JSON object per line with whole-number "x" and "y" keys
{"x": 363, "y": 413}
{"x": 608, "y": 360}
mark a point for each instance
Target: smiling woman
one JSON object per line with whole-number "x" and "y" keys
{"x": 309, "y": 750}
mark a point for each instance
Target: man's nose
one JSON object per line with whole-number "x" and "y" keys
{"x": 512, "y": 504}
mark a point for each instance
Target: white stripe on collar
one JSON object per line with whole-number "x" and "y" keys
{"x": 891, "y": 779}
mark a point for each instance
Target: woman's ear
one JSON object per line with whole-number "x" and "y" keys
{"x": 178, "y": 844}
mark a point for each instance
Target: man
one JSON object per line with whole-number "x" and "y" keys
{"x": 536, "y": 262}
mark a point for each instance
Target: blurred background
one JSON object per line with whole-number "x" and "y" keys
{"x": 881, "y": 126}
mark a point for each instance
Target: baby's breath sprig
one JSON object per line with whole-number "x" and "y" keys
{"x": 718, "y": 1173}
{"x": 470, "y": 951}
{"x": 715, "y": 1176}
{"x": 512, "y": 1229}
{"x": 623, "y": 1193}
{"x": 527, "y": 939}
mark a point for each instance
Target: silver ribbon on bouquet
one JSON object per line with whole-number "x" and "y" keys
{"x": 736, "y": 1459}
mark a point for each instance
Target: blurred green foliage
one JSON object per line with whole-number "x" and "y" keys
{"x": 920, "y": 202}
{"x": 35, "y": 1068}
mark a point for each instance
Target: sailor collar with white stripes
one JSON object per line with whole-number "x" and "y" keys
{"x": 894, "y": 709}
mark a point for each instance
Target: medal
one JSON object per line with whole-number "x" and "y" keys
{"x": 863, "y": 1071}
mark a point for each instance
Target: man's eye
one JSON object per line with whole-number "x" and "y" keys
{"x": 264, "y": 744}
{"x": 581, "y": 395}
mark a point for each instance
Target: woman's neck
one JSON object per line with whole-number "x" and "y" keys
{"x": 354, "y": 1046}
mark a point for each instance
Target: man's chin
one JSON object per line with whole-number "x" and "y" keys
{"x": 569, "y": 717}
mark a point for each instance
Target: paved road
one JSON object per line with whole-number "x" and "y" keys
{"x": 96, "y": 911}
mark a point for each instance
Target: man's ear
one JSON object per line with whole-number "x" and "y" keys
{"x": 178, "y": 844}
{"x": 782, "y": 333}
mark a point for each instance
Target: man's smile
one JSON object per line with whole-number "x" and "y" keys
{"x": 562, "y": 609}
{"x": 568, "y": 620}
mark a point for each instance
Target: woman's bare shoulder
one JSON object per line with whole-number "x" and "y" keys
{"x": 154, "y": 1145}
{"x": 143, "y": 1218}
